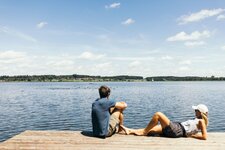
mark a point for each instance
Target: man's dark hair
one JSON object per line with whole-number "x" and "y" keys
{"x": 104, "y": 91}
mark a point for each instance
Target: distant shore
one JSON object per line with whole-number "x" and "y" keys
{"x": 88, "y": 78}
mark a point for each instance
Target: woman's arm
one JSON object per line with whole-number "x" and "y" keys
{"x": 203, "y": 129}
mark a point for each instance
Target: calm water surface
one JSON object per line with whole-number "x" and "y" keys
{"x": 67, "y": 106}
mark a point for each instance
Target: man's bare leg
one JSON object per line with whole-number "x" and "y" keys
{"x": 121, "y": 122}
{"x": 119, "y": 114}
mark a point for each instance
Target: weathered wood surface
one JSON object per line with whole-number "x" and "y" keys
{"x": 60, "y": 140}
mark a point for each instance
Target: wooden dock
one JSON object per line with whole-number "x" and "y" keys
{"x": 77, "y": 140}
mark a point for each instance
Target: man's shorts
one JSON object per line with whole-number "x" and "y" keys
{"x": 174, "y": 130}
{"x": 113, "y": 125}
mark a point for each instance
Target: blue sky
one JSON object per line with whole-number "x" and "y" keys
{"x": 105, "y": 37}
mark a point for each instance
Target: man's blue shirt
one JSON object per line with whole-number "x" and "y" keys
{"x": 100, "y": 116}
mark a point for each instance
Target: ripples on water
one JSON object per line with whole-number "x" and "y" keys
{"x": 67, "y": 106}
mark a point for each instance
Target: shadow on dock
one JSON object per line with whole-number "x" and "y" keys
{"x": 90, "y": 134}
{"x": 87, "y": 133}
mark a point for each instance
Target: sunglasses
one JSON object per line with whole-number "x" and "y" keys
{"x": 196, "y": 110}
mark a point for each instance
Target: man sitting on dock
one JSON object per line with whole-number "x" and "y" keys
{"x": 107, "y": 116}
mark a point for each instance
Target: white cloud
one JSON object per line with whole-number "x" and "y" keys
{"x": 12, "y": 54}
{"x": 223, "y": 47}
{"x": 18, "y": 34}
{"x": 12, "y": 57}
{"x": 132, "y": 58}
{"x": 196, "y": 35}
{"x": 203, "y": 14}
{"x": 135, "y": 64}
{"x": 103, "y": 66}
{"x": 128, "y": 21}
{"x": 61, "y": 63}
{"x": 220, "y": 17}
{"x": 113, "y": 5}
{"x": 41, "y": 25}
{"x": 184, "y": 68}
{"x": 195, "y": 43}
{"x": 20, "y": 63}
{"x": 185, "y": 62}
{"x": 166, "y": 58}
{"x": 155, "y": 51}
{"x": 56, "y": 64}
{"x": 91, "y": 56}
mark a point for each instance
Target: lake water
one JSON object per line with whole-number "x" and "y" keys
{"x": 67, "y": 106}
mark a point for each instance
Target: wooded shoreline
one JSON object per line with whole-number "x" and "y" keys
{"x": 88, "y": 78}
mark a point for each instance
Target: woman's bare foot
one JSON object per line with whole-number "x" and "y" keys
{"x": 125, "y": 129}
{"x": 121, "y": 130}
{"x": 140, "y": 132}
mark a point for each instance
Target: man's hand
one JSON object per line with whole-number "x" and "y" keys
{"x": 121, "y": 105}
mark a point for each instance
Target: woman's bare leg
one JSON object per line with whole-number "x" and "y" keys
{"x": 155, "y": 130}
{"x": 153, "y": 125}
{"x": 128, "y": 131}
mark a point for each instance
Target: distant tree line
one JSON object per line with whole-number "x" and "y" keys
{"x": 187, "y": 78}
{"x": 88, "y": 78}
{"x": 67, "y": 78}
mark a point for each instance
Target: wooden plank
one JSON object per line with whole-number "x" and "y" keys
{"x": 32, "y": 140}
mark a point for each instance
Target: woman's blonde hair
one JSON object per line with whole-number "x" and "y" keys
{"x": 205, "y": 118}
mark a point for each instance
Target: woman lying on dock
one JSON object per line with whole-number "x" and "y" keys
{"x": 168, "y": 128}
